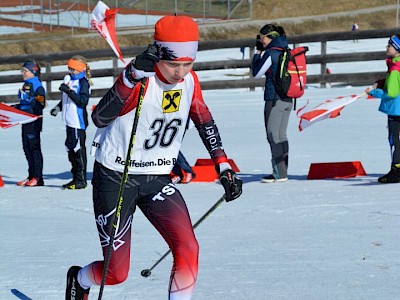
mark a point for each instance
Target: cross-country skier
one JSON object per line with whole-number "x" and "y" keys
{"x": 172, "y": 95}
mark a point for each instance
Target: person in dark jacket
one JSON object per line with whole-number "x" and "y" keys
{"x": 75, "y": 98}
{"x": 270, "y": 44}
{"x": 32, "y": 100}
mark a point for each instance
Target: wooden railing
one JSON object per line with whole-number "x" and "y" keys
{"x": 48, "y": 59}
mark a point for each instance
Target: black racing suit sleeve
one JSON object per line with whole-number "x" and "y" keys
{"x": 82, "y": 99}
{"x": 205, "y": 125}
{"x": 110, "y": 106}
{"x": 211, "y": 138}
{"x": 59, "y": 105}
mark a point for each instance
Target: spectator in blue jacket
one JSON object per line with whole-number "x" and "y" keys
{"x": 75, "y": 98}
{"x": 388, "y": 90}
{"x": 270, "y": 43}
{"x": 32, "y": 100}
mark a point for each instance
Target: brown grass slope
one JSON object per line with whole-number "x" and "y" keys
{"x": 266, "y": 11}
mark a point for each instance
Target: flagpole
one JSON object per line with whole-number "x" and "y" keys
{"x": 116, "y": 16}
{"x": 88, "y": 13}
{"x": 146, "y": 12}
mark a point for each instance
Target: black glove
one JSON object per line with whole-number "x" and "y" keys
{"x": 64, "y": 88}
{"x": 147, "y": 60}
{"x": 143, "y": 65}
{"x": 54, "y": 111}
{"x": 231, "y": 183}
{"x": 259, "y": 45}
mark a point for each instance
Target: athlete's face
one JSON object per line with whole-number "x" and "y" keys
{"x": 26, "y": 74}
{"x": 73, "y": 71}
{"x": 391, "y": 52}
{"x": 265, "y": 40}
{"x": 174, "y": 71}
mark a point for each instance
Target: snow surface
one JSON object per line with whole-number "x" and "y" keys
{"x": 303, "y": 239}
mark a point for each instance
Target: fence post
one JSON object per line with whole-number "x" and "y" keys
{"x": 115, "y": 67}
{"x": 323, "y": 64}
{"x": 48, "y": 82}
{"x": 251, "y": 54}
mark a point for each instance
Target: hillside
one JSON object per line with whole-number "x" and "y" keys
{"x": 298, "y": 17}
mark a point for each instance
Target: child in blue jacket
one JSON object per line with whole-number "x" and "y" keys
{"x": 75, "y": 98}
{"x": 389, "y": 92}
{"x": 32, "y": 100}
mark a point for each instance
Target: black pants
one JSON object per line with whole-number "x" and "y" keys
{"x": 162, "y": 204}
{"x": 394, "y": 138}
{"x": 76, "y": 147}
{"x": 32, "y": 149}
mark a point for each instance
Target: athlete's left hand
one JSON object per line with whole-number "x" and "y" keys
{"x": 143, "y": 65}
{"x": 259, "y": 45}
{"x": 232, "y": 184}
{"x": 64, "y": 88}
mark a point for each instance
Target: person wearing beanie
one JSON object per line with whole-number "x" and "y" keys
{"x": 32, "y": 100}
{"x": 162, "y": 77}
{"x": 269, "y": 45}
{"x": 388, "y": 90}
{"x": 75, "y": 98}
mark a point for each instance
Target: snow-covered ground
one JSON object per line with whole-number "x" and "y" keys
{"x": 303, "y": 239}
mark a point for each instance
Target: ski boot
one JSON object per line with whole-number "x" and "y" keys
{"x": 35, "y": 182}
{"x": 74, "y": 185}
{"x": 393, "y": 176}
{"x": 74, "y": 291}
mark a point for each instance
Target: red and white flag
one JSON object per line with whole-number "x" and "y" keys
{"x": 10, "y": 116}
{"x": 103, "y": 20}
{"x": 325, "y": 110}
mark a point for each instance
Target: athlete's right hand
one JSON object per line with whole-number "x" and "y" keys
{"x": 54, "y": 111}
{"x": 232, "y": 184}
{"x": 143, "y": 65}
{"x": 259, "y": 45}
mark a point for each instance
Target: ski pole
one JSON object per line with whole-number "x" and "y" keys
{"x": 124, "y": 179}
{"x": 147, "y": 272}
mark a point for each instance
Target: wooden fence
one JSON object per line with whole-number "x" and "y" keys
{"x": 49, "y": 59}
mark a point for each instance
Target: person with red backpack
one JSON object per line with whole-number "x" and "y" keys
{"x": 271, "y": 42}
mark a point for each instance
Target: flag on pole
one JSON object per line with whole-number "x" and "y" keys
{"x": 325, "y": 110}
{"x": 10, "y": 116}
{"x": 103, "y": 20}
